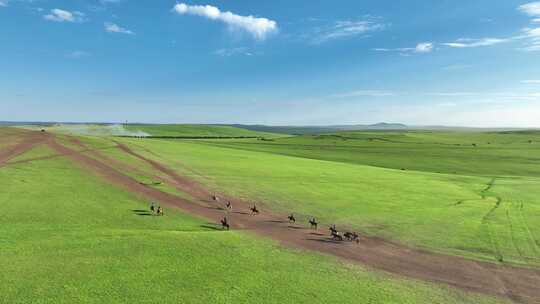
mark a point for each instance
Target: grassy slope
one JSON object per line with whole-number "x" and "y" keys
{"x": 64, "y": 242}
{"x": 445, "y": 152}
{"x": 197, "y": 130}
{"x": 449, "y": 213}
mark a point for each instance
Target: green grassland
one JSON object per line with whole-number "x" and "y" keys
{"x": 503, "y": 153}
{"x": 197, "y": 131}
{"x": 480, "y": 202}
{"x": 145, "y": 130}
{"x": 63, "y": 241}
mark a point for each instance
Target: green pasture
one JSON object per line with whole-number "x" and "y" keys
{"x": 68, "y": 237}
{"x": 197, "y": 131}
{"x": 471, "y": 213}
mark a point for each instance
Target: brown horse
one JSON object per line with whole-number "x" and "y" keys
{"x": 254, "y": 210}
{"x": 229, "y": 205}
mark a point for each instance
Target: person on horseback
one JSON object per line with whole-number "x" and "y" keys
{"x": 332, "y": 229}
{"x": 225, "y": 223}
{"x": 313, "y": 223}
{"x": 229, "y": 205}
{"x": 159, "y": 211}
{"x": 292, "y": 219}
{"x": 254, "y": 210}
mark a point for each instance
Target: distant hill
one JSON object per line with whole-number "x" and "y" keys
{"x": 321, "y": 129}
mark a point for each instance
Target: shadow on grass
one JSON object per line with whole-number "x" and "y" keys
{"x": 140, "y": 212}
{"x": 211, "y": 227}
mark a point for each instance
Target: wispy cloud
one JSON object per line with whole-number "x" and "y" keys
{"x": 60, "y": 15}
{"x": 531, "y": 81}
{"x": 532, "y": 35}
{"x": 4, "y": 3}
{"x": 423, "y": 47}
{"x": 257, "y": 27}
{"x": 473, "y": 43}
{"x": 344, "y": 29}
{"x": 533, "y": 39}
{"x": 114, "y": 28}
{"x": 228, "y": 52}
{"x": 531, "y": 9}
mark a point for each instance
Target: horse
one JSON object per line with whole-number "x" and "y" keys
{"x": 225, "y": 224}
{"x": 332, "y": 229}
{"x": 336, "y": 236}
{"x": 292, "y": 219}
{"x": 160, "y": 211}
{"x": 215, "y": 198}
{"x": 313, "y": 223}
{"x": 229, "y": 205}
{"x": 351, "y": 236}
{"x": 254, "y": 210}
{"x": 153, "y": 207}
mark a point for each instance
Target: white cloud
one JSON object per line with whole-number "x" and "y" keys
{"x": 423, "y": 47}
{"x": 258, "y": 27}
{"x": 4, "y": 3}
{"x": 344, "y": 29}
{"x": 59, "y": 15}
{"x": 531, "y": 81}
{"x": 234, "y": 51}
{"x": 533, "y": 36}
{"x": 114, "y": 28}
{"x": 531, "y": 9}
{"x": 472, "y": 43}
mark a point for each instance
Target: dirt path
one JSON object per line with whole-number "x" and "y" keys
{"x": 518, "y": 284}
{"x": 30, "y": 140}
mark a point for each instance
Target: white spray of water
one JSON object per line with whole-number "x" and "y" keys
{"x": 98, "y": 130}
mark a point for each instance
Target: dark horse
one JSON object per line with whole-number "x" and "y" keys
{"x": 332, "y": 229}
{"x": 225, "y": 224}
{"x": 292, "y": 219}
{"x": 351, "y": 236}
{"x": 153, "y": 208}
{"x": 313, "y": 223}
{"x": 229, "y": 205}
{"x": 336, "y": 236}
{"x": 254, "y": 210}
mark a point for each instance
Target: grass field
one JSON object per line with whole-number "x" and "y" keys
{"x": 145, "y": 130}
{"x": 64, "y": 242}
{"x": 197, "y": 131}
{"x": 488, "y": 209}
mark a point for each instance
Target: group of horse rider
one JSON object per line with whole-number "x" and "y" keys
{"x": 334, "y": 233}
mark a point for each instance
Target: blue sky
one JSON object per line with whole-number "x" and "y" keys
{"x": 463, "y": 63}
